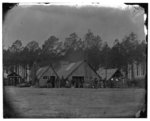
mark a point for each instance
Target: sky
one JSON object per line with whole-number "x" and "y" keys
{"x": 39, "y": 22}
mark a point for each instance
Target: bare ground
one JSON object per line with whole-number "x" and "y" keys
{"x": 73, "y": 102}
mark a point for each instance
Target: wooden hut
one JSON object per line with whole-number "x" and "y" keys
{"x": 14, "y": 79}
{"x": 112, "y": 77}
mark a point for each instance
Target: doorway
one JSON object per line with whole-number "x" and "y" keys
{"x": 78, "y": 81}
{"x": 52, "y": 78}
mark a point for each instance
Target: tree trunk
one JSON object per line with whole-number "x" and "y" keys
{"x": 126, "y": 71}
{"x": 15, "y": 68}
{"x": 106, "y": 73}
{"x": 18, "y": 69}
{"x": 144, "y": 68}
{"x": 34, "y": 75}
{"x": 26, "y": 73}
{"x": 137, "y": 69}
{"x": 34, "y": 78}
{"x": 132, "y": 71}
{"x": 24, "y": 70}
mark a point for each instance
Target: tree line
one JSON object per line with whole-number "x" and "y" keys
{"x": 91, "y": 48}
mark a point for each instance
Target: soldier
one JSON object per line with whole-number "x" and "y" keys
{"x": 92, "y": 84}
{"x": 62, "y": 82}
{"x": 67, "y": 83}
{"x": 73, "y": 83}
{"x": 95, "y": 82}
{"x": 57, "y": 82}
{"x": 48, "y": 83}
{"x": 82, "y": 81}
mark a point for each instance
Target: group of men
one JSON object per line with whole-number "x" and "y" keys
{"x": 74, "y": 83}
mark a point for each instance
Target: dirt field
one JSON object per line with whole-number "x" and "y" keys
{"x": 74, "y": 103}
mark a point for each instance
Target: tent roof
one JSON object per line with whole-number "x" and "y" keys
{"x": 63, "y": 71}
{"x": 110, "y": 72}
{"x": 43, "y": 70}
{"x": 66, "y": 69}
{"x": 13, "y": 74}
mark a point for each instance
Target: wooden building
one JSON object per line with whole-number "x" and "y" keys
{"x": 112, "y": 77}
{"x": 14, "y": 79}
{"x": 21, "y": 70}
